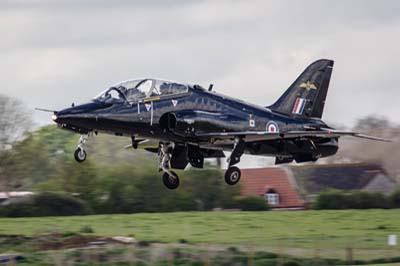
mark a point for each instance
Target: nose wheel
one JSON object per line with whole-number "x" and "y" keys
{"x": 80, "y": 155}
{"x": 232, "y": 175}
{"x": 171, "y": 180}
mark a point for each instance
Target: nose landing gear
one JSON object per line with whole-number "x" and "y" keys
{"x": 170, "y": 178}
{"x": 80, "y": 153}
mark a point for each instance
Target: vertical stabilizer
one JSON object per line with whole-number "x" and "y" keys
{"x": 306, "y": 96}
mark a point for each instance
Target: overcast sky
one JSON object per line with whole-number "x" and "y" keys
{"x": 53, "y": 53}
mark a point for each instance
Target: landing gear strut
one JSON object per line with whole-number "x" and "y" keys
{"x": 80, "y": 153}
{"x": 170, "y": 178}
{"x": 232, "y": 174}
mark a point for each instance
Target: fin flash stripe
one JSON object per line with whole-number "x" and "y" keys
{"x": 299, "y": 105}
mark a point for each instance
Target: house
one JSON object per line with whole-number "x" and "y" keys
{"x": 314, "y": 179}
{"x": 296, "y": 187}
{"x": 275, "y": 184}
{"x": 4, "y": 196}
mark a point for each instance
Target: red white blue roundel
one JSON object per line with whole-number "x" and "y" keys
{"x": 272, "y": 127}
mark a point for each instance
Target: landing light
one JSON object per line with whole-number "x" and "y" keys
{"x": 54, "y": 117}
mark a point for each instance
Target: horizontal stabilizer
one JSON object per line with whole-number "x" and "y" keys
{"x": 357, "y": 135}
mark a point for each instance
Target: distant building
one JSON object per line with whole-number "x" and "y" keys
{"x": 297, "y": 186}
{"x": 4, "y": 196}
{"x": 314, "y": 179}
{"x": 275, "y": 185}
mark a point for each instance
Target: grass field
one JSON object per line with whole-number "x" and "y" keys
{"x": 323, "y": 229}
{"x": 298, "y": 234}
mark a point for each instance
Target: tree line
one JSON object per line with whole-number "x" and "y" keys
{"x": 340, "y": 200}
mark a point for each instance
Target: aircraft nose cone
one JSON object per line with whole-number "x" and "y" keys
{"x": 62, "y": 116}
{"x": 81, "y": 116}
{"x": 54, "y": 118}
{"x": 70, "y": 116}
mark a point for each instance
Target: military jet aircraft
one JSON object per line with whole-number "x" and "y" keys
{"x": 190, "y": 123}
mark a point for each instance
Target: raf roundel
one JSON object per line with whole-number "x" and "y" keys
{"x": 272, "y": 127}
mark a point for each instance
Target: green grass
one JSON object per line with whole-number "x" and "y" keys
{"x": 282, "y": 229}
{"x": 386, "y": 264}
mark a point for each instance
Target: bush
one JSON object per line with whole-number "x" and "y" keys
{"x": 333, "y": 199}
{"x": 291, "y": 263}
{"x": 86, "y": 229}
{"x": 252, "y": 204}
{"x": 233, "y": 249}
{"x": 46, "y": 204}
{"x": 367, "y": 200}
{"x": 143, "y": 243}
{"x": 394, "y": 198}
{"x": 264, "y": 255}
{"x": 336, "y": 200}
{"x": 265, "y": 262}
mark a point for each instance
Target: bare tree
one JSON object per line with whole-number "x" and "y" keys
{"x": 14, "y": 121}
{"x": 360, "y": 150}
{"x": 371, "y": 124}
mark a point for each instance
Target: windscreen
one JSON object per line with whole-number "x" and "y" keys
{"x": 136, "y": 90}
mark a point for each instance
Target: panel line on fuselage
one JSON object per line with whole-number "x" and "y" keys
{"x": 151, "y": 114}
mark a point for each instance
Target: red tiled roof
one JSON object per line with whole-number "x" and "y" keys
{"x": 256, "y": 182}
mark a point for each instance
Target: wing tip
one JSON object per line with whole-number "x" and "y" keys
{"x": 363, "y": 136}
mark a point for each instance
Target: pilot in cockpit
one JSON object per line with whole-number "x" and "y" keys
{"x": 165, "y": 88}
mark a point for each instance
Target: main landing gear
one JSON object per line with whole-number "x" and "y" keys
{"x": 80, "y": 153}
{"x": 232, "y": 174}
{"x": 170, "y": 178}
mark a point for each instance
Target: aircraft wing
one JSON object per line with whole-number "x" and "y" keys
{"x": 250, "y": 136}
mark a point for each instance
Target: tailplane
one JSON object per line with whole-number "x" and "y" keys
{"x": 306, "y": 96}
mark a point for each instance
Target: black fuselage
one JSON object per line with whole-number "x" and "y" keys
{"x": 179, "y": 118}
{"x": 185, "y": 124}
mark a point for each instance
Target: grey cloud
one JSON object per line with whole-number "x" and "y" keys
{"x": 55, "y": 52}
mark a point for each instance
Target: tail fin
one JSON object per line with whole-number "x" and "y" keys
{"x": 306, "y": 96}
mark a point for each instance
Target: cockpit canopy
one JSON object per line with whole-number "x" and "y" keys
{"x": 136, "y": 90}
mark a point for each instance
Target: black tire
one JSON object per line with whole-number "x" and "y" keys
{"x": 232, "y": 175}
{"x": 171, "y": 182}
{"x": 80, "y": 155}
